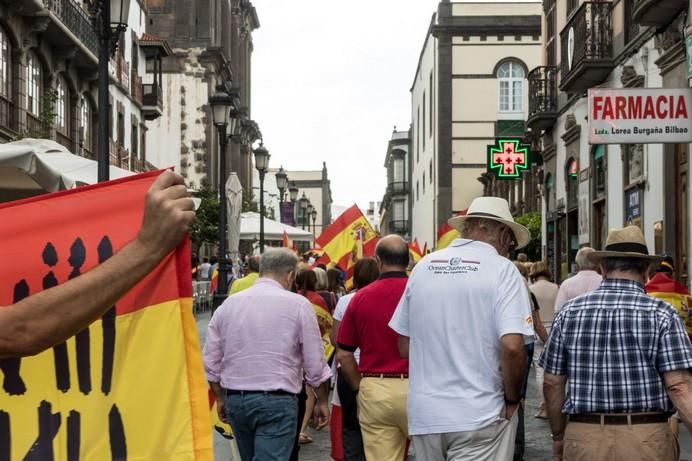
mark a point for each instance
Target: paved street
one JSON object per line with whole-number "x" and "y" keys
{"x": 538, "y": 447}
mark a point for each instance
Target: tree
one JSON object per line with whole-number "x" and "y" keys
{"x": 532, "y": 221}
{"x": 250, "y": 205}
{"x": 206, "y": 227}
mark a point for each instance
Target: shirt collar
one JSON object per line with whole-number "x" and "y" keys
{"x": 393, "y": 275}
{"x": 460, "y": 242}
{"x": 622, "y": 285}
{"x": 268, "y": 281}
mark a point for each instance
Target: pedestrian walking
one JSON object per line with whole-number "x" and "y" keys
{"x": 625, "y": 358}
{"x": 545, "y": 292}
{"x": 204, "y": 269}
{"x": 464, "y": 317}
{"x": 381, "y": 377}
{"x": 260, "y": 344}
{"x": 586, "y": 280}
{"x": 365, "y": 272}
{"x": 253, "y": 265}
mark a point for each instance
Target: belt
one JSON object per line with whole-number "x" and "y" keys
{"x": 619, "y": 419}
{"x": 277, "y": 392}
{"x": 385, "y": 375}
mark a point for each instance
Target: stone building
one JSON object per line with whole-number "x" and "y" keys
{"x": 48, "y": 79}
{"x": 316, "y": 187}
{"x": 212, "y": 48}
{"x": 590, "y": 188}
{"x": 395, "y": 207}
{"x": 469, "y": 88}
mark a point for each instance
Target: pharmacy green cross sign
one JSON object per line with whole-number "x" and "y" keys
{"x": 508, "y": 158}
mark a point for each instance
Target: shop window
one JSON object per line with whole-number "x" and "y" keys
{"x": 633, "y": 157}
{"x": 599, "y": 171}
{"x": 572, "y": 183}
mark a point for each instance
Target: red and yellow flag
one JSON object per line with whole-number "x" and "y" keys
{"x": 349, "y": 238}
{"x": 286, "y": 242}
{"x": 132, "y": 385}
{"x": 445, "y": 236}
{"x": 415, "y": 251}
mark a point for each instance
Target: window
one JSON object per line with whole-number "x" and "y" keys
{"x": 430, "y": 106}
{"x": 431, "y": 172}
{"x": 121, "y": 128}
{"x": 4, "y": 65}
{"x": 510, "y": 79}
{"x": 572, "y": 183}
{"x": 143, "y": 143}
{"x": 424, "y": 122}
{"x": 571, "y": 6}
{"x": 549, "y": 190}
{"x": 424, "y": 182}
{"x": 134, "y": 138}
{"x": 398, "y": 210}
{"x": 418, "y": 136}
{"x": 599, "y": 172}
{"x": 61, "y": 106}
{"x": 550, "y": 34}
{"x": 398, "y": 170}
{"x": 417, "y": 191}
{"x": 86, "y": 131}
{"x": 634, "y": 163}
{"x": 33, "y": 85}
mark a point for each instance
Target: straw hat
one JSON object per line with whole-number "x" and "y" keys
{"x": 495, "y": 209}
{"x": 628, "y": 242}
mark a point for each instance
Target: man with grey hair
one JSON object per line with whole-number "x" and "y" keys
{"x": 586, "y": 280}
{"x": 462, "y": 322}
{"x": 260, "y": 344}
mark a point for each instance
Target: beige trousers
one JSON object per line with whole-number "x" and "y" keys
{"x": 636, "y": 442}
{"x": 490, "y": 443}
{"x": 383, "y": 418}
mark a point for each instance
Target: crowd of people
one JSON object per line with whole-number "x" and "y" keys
{"x": 438, "y": 355}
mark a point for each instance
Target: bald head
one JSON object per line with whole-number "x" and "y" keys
{"x": 392, "y": 251}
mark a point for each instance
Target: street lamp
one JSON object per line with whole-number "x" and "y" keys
{"x": 111, "y": 21}
{"x": 281, "y": 182}
{"x": 314, "y": 226}
{"x": 261, "y": 163}
{"x": 293, "y": 192}
{"x": 303, "y": 204}
{"x": 308, "y": 212}
{"x": 222, "y": 111}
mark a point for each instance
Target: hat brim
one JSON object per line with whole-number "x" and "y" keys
{"x": 598, "y": 256}
{"x": 521, "y": 233}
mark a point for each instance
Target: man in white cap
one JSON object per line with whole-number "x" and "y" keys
{"x": 626, "y": 360}
{"x": 462, "y": 322}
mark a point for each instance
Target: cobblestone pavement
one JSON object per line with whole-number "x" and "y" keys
{"x": 538, "y": 445}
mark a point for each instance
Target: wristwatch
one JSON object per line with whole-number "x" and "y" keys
{"x": 557, "y": 437}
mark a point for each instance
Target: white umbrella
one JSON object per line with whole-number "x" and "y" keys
{"x": 234, "y": 205}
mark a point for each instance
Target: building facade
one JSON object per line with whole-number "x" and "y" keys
{"x": 316, "y": 187}
{"x": 470, "y": 87}
{"x": 395, "y": 208}
{"x": 49, "y": 72}
{"x": 211, "y": 45}
{"x": 589, "y": 188}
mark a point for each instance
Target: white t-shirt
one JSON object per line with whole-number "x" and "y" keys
{"x": 457, "y": 305}
{"x": 340, "y": 311}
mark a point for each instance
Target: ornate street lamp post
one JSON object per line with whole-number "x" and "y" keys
{"x": 223, "y": 112}
{"x": 303, "y": 204}
{"x": 308, "y": 212}
{"x": 281, "y": 182}
{"x": 314, "y": 226}
{"x": 111, "y": 20}
{"x": 261, "y": 163}
{"x": 293, "y": 196}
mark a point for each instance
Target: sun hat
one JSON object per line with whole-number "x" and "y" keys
{"x": 495, "y": 209}
{"x": 627, "y": 242}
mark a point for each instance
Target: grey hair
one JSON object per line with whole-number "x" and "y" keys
{"x": 490, "y": 227}
{"x": 582, "y": 260}
{"x": 279, "y": 261}
{"x": 637, "y": 266}
{"x": 322, "y": 279}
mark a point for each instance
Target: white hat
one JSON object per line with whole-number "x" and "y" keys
{"x": 495, "y": 209}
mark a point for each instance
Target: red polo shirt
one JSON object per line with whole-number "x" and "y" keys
{"x": 366, "y": 325}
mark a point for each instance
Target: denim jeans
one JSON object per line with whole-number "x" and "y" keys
{"x": 264, "y": 425}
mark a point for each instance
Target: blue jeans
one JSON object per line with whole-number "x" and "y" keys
{"x": 264, "y": 425}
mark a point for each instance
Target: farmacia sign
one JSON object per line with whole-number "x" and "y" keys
{"x": 640, "y": 116}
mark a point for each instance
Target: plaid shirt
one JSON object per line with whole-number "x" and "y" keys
{"x": 613, "y": 344}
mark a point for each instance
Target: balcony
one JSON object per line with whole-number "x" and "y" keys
{"x": 136, "y": 88}
{"x": 397, "y": 188}
{"x": 153, "y": 101}
{"x": 542, "y": 98}
{"x": 122, "y": 69}
{"x": 657, "y": 12}
{"x": 76, "y": 20}
{"x": 398, "y": 226}
{"x": 587, "y": 47}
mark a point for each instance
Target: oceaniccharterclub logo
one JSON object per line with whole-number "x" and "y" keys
{"x": 454, "y": 265}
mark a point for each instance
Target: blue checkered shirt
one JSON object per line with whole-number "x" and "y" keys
{"x": 613, "y": 344}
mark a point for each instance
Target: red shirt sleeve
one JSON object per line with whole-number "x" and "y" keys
{"x": 347, "y": 339}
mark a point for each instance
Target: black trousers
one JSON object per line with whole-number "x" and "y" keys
{"x": 520, "y": 440}
{"x": 350, "y": 427}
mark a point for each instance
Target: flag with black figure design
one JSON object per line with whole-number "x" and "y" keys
{"x": 132, "y": 385}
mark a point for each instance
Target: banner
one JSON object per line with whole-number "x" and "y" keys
{"x": 640, "y": 116}
{"x": 288, "y": 213}
{"x": 132, "y": 385}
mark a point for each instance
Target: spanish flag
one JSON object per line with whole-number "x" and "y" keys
{"x": 415, "y": 251}
{"x": 132, "y": 385}
{"x": 347, "y": 239}
{"x": 445, "y": 236}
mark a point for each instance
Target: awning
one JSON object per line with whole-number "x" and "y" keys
{"x": 273, "y": 230}
{"x": 35, "y": 166}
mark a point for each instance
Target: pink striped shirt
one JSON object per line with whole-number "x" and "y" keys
{"x": 265, "y": 338}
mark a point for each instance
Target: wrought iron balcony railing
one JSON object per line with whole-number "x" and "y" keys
{"x": 587, "y": 47}
{"x": 542, "y": 97}
{"x": 397, "y": 187}
{"x": 398, "y": 226}
{"x": 77, "y": 20}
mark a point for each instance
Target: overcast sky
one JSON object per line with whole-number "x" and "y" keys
{"x": 330, "y": 81}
